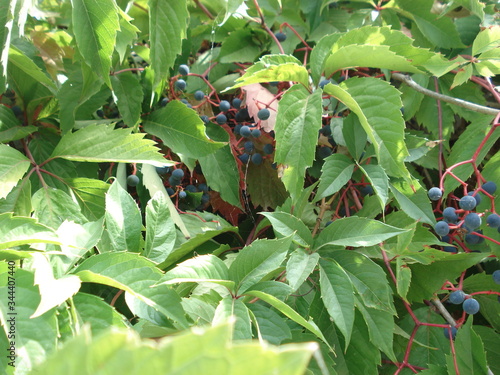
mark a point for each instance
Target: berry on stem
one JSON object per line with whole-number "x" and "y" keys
{"x": 221, "y": 119}
{"x": 180, "y": 84}
{"x": 245, "y": 131}
{"x": 257, "y": 159}
{"x": 493, "y": 221}
{"x": 457, "y": 297}
{"x": 490, "y": 187}
{"x": 435, "y": 194}
{"x": 472, "y": 221}
{"x": 184, "y": 70}
{"x": 496, "y": 277}
{"x": 447, "y": 331}
{"x": 224, "y": 105}
{"x": 449, "y": 215}
{"x": 467, "y": 203}
{"x": 236, "y": 103}
{"x": 199, "y": 95}
{"x": 256, "y": 133}
{"x": 471, "y": 306}
{"x": 263, "y": 114}
{"x": 280, "y": 36}
{"x": 442, "y": 228}
{"x": 178, "y": 174}
{"x": 132, "y": 180}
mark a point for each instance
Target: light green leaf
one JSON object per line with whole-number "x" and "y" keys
{"x": 100, "y": 143}
{"x": 181, "y": 129}
{"x": 18, "y": 59}
{"x": 462, "y": 76}
{"x": 320, "y": 53}
{"x": 286, "y": 225}
{"x": 486, "y": 40}
{"x": 231, "y": 307}
{"x": 6, "y": 22}
{"x": 414, "y": 202}
{"x": 126, "y": 35}
{"x": 338, "y": 296}
{"x": 129, "y": 96}
{"x": 160, "y": 229}
{"x": 18, "y": 201}
{"x": 356, "y": 231}
{"x": 272, "y": 68}
{"x": 95, "y": 24}
{"x": 403, "y": 278}
{"x": 379, "y": 181}
{"x": 53, "y": 206}
{"x": 13, "y": 166}
{"x": 299, "y": 266}
{"x": 289, "y": 312}
{"x": 134, "y": 274}
{"x": 167, "y": 27}
{"x": 336, "y": 172}
{"x": 297, "y": 124}
{"x": 469, "y": 351}
{"x": 123, "y": 220}
{"x": 37, "y": 338}
{"x": 256, "y": 261}
{"x": 17, "y": 230}
{"x": 10, "y": 127}
{"x": 53, "y": 291}
{"x": 368, "y": 278}
{"x": 377, "y": 105}
{"x": 90, "y": 193}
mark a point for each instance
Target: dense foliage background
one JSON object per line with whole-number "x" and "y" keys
{"x": 265, "y": 186}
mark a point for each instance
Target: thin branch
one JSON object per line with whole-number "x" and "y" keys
{"x": 448, "y": 99}
{"x": 204, "y": 9}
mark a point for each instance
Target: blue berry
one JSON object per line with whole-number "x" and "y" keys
{"x": 170, "y": 191}
{"x": 496, "y": 277}
{"x": 183, "y": 70}
{"x": 132, "y": 180}
{"x": 435, "y": 194}
{"x": 242, "y": 115}
{"x": 268, "y": 149}
{"x": 326, "y": 130}
{"x": 236, "y": 103}
{"x": 205, "y": 198}
{"x": 324, "y": 152}
{"x": 164, "y": 102}
{"x": 180, "y": 84}
{"x": 257, "y": 159}
{"x": 205, "y": 119}
{"x": 442, "y": 228}
{"x": 473, "y": 239}
{"x": 224, "y": 105}
{"x": 472, "y": 221}
{"x": 490, "y": 187}
{"x": 249, "y": 146}
{"x": 449, "y": 215}
{"x": 467, "y": 203}
{"x": 477, "y": 197}
{"x": 456, "y": 297}
{"x": 447, "y": 331}
{"x": 162, "y": 170}
{"x": 191, "y": 188}
{"x": 471, "y": 306}
{"x": 367, "y": 190}
{"x": 203, "y": 187}
{"x": 182, "y": 194}
{"x": 244, "y": 158}
{"x": 245, "y": 131}
{"x": 17, "y": 110}
{"x": 493, "y": 221}
{"x": 174, "y": 181}
{"x": 450, "y": 249}
{"x": 280, "y": 36}
{"x": 256, "y": 133}
{"x": 221, "y": 119}
{"x": 199, "y": 95}
{"x": 324, "y": 82}
{"x": 178, "y": 174}
{"x": 328, "y": 223}
{"x": 237, "y": 129}
{"x": 263, "y": 114}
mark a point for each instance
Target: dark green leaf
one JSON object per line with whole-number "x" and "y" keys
{"x": 129, "y": 97}
{"x": 336, "y": 172}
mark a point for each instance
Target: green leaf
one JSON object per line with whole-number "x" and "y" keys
{"x": 17, "y": 231}
{"x": 379, "y": 181}
{"x": 274, "y": 68}
{"x": 18, "y": 201}
{"x": 203, "y": 268}
{"x": 286, "y": 225}
{"x": 221, "y": 172}
{"x": 160, "y": 229}
{"x": 257, "y": 260}
{"x": 356, "y": 231}
{"x": 380, "y": 326}
{"x": 415, "y": 203}
{"x": 491, "y": 340}
{"x": 100, "y": 143}
{"x": 299, "y": 266}
{"x": 289, "y": 312}
{"x": 13, "y": 166}
{"x": 6, "y": 16}
{"x": 53, "y": 206}
{"x": 231, "y": 307}
{"x": 239, "y": 47}
{"x": 53, "y": 291}
{"x": 487, "y": 39}
{"x": 101, "y": 316}
{"x": 128, "y": 91}
{"x": 368, "y": 278}
{"x": 264, "y": 185}
{"x": 338, "y": 296}
{"x": 271, "y": 325}
{"x": 90, "y": 193}
{"x": 36, "y": 337}
{"x": 167, "y": 27}
{"x": 320, "y": 53}
{"x": 297, "y": 124}
{"x": 181, "y": 129}
{"x": 123, "y": 220}
{"x": 95, "y": 24}
{"x": 427, "y": 279}
{"x": 469, "y": 351}
{"x": 377, "y": 105}
{"x": 134, "y": 274}
{"x": 403, "y": 278}
{"x": 336, "y": 172}
{"x": 19, "y": 60}
{"x": 10, "y": 127}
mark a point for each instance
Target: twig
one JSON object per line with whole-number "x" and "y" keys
{"x": 204, "y": 9}
{"x": 448, "y": 99}
{"x": 442, "y": 310}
